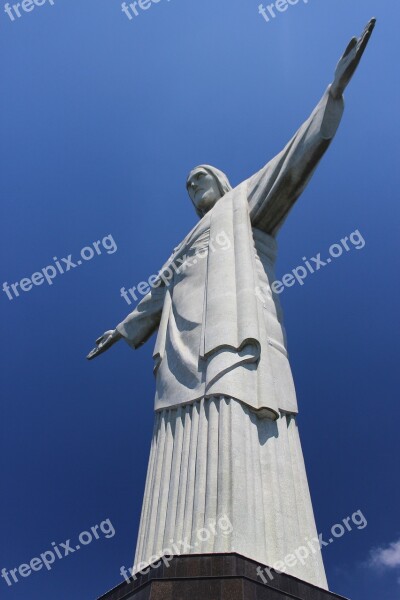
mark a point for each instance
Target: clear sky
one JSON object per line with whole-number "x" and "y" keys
{"x": 102, "y": 117}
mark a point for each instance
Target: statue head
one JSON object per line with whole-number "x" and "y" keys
{"x": 206, "y": 185}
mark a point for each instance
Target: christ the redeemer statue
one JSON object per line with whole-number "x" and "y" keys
{"x": 225, "y": 438}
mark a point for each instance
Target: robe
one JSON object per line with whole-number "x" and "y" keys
{"x": 225, "y": 441}
{"x": 216, "y": 335}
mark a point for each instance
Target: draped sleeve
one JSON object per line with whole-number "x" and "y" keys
{"x": 140, "y": 324}
{"x": 275, "y": 188}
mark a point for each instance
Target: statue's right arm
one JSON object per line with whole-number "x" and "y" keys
{"x": 138, "y": 326}
{"x": 141, "y": 323}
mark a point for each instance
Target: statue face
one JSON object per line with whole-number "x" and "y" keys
{"x": 203, "y": 189}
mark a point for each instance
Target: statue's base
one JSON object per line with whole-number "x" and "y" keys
{"x": 215, "y": 577}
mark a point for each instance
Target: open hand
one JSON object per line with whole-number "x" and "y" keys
{"x": 104, "y": 342}
{"x": 348, "y": 63}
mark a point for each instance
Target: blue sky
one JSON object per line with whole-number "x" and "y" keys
{"x": 102, "y": 117}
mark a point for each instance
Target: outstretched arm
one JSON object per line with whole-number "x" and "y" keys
{"x": 275, "y": 188}
{"x": 138, "y": 326}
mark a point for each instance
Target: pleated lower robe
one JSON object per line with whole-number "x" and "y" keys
{"x": 216, "y": 458}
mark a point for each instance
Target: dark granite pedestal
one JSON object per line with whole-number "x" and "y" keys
{"x": 215, "y": 577}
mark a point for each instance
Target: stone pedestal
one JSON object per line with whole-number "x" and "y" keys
{"x": 216, "y": 577}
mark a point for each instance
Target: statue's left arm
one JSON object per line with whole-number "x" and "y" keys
{"x": 275, "y": 188}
